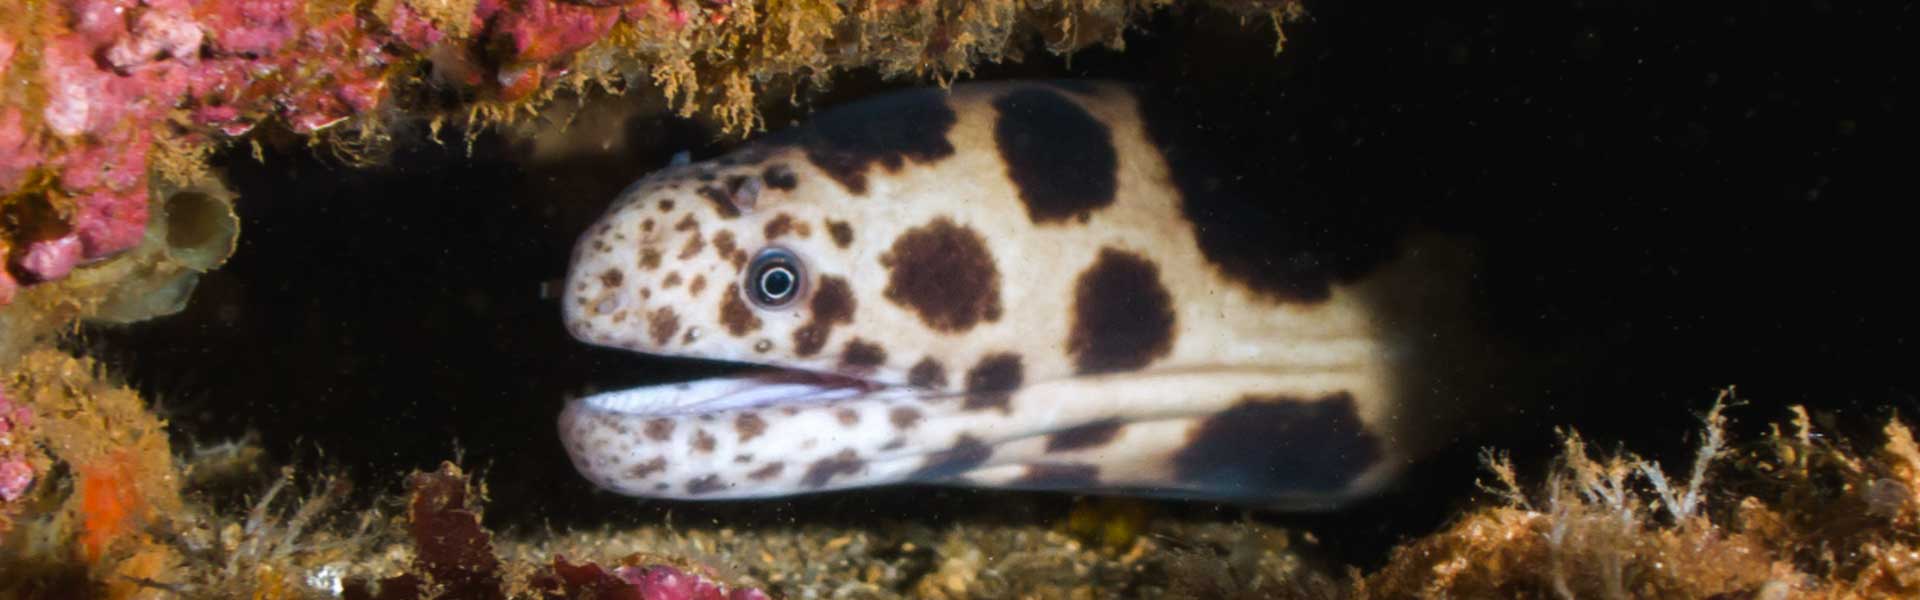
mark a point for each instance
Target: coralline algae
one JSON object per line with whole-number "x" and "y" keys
{"x": 114, "y": 77}
{"x": 16, "y": 469}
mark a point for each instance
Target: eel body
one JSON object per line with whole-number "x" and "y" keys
{"x": 1037, "y": 285}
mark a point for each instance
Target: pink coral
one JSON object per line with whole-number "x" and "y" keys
{"x": 15, "y": 477}
{"x": 19, "y": 152}
{"x": 532, "y": 43}
{"x": 16, "y": 474}
{"x": 250, "y": 27}
{"x": 361, "y": 94}
{"x": 657, "y": 582}
{"x": 343, "y": 77}
{"x": 161, "y": 31}
{"x": 544, "y": 31}
{"x": 51, "y": 259}
{"x": 124, "y": 71}
{"x": 118, "y": 164}
{"x": 99, "y": 20}
{"x": 219, "y": 80}
{"x": 115, "y": 81}
{"x": 413, "y": 29}
{"x": 76, "y": 101}
{"x": 225, "y": 118}
{"x": 111, "y": 206}
{"x": 110, "y": 222}
{"x": 667, "y": 583}
{"x": 661, "y": 582}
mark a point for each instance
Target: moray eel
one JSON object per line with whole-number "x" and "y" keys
{"x": 1035, "y": 285}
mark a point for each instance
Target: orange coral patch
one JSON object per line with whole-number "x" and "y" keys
{"x": 110, "y": 497}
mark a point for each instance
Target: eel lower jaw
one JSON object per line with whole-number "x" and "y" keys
{"x": 761, "y": 435}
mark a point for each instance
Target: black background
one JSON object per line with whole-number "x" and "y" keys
{"x": 1716, "y": 192}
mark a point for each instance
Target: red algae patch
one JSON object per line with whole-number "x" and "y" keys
{"x": 454, "y": 558}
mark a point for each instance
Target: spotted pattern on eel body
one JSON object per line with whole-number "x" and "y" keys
{"x": 1028, "y": 284}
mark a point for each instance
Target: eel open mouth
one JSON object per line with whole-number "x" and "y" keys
{"x": 778, "y": 387}
{"x": 762, "y": 434}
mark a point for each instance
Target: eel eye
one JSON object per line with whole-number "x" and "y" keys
{"x": 773, "y": 279}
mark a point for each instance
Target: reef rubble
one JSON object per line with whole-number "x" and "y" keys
{"x": 107, "y": 510}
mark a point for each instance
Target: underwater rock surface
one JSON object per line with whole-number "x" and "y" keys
{"x": 103, "y": 96}
{"x": 109, "y": 492}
